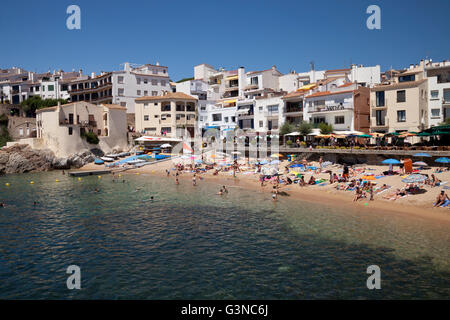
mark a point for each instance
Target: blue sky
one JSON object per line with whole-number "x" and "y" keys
{"x": 255, "y": 34}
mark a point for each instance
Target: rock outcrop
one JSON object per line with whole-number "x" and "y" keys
{"x": 22, "y": 158}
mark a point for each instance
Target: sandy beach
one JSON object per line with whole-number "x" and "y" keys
{"x": 418, "y": 205}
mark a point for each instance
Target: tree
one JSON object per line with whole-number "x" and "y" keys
{"x": 91, "y": 138}
{"x": 34, "y": 103}
{"x": 305, "y": 128}
{"x": 286, "y": 128}
{"x": 325, "y": 128}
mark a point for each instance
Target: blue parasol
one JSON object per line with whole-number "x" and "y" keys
{"x": 422, "y": 154}
{"x": 443, "y": 160}
{"x": 391, "y": 161}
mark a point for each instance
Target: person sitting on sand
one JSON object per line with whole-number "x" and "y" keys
{"x": 434, "y": 181}
{"x": 312, "y": 180}
{"x": 301, "y": 182}
{"x": 441, "y": 199}
{"x": 358, "y": 194}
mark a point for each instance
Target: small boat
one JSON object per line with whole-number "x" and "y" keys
{"x": 107, "y": 159}
{"x": 136, "y": 161}
{"x": 99, "y": 161}
{"x": 114, "y": 156}
{"x": 138, "y": 165}
{"x": 123, "y": 154}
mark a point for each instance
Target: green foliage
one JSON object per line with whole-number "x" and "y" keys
{"x": 185, "y": 79}
{"x": 305, "y": 128}
{"x": 447, "y": 121}
{"x": 34, "y": 103}
{"x": 91, "y": 138}
{"x": 325, "y": 128}
{"x": 289, "y": 142}
{"x": 286, "y": 128}
{"x": 4, "y": 134}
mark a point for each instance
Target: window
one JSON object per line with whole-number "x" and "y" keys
{"x": 411, "y": 77}
{"x": 145, "y": 93}
{"x": 163, "y": 83}
{"x": 401, "y": 116}
{"x": 254, "y": 81}
{"x": 123, "y": 104}
{"x": 139, "y": 92}
{"x": 272, "y": 109}
{"x": 435, "y": 113}
{"x": 401, "y": 96}
{"x": 145, "y": 105}
{"x": 380, "y": 117}
{"x": 261, "y": 124}
{"x": 447, "y": 96}
{"x": 150, "y": 129}
{"x": 226, "y": 119}
{"x": 318, "y": 120}
{"x": 21, "y": 132}
{"x": 217, "y": 117}
{"x": 146, "y": 118}
{"x": 120, "y": 91}
{"x": 138, "y": 80}
{"x": 43, "y": 88}
{"x": 380, "y": 98}
{"x": 434, "y": 94}
{"x": 51, "y": 87}
{"x": 70, "y": 131}
{"x": 260, "y": 109}
{"x": 154, "y": 82}
{"x": 120, "y": 79}
{"x": 154, "y": 93}
{"x": 339, "y": 120}
{"x": 233, "y": 119}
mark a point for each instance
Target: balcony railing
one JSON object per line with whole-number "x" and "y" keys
{"x": 381, "y": 123}
{"x": 328, "y": 108}
{"x": 373, "y": 104}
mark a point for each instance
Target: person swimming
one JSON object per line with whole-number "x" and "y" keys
{"x": 225, "y": 190}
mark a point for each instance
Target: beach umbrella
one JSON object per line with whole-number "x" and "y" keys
{"x": 414, "y": 178}
{"x": 263, "y": 162}
{"x": 420, "y": 163}
{"x": 296, "y": 165}
{"x": 166, "y": 145}
{"x": 442, "y": 160}
{"x": 421, "y": 154}
{"x": 275, "y": 162}
{"x": 391, "y": 161}
{"x": 276, "y": 155}
{"x": 377, "y": 134}
{"x": 364, "y": 136}
{"x": 424, "y": 134}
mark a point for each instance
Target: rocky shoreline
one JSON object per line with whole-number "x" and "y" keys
{"x": 22, "y": 158}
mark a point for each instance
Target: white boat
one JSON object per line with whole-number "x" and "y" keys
{"x": 114, "y": 156}
{"x": 136, "y": 161}
{"x": 107, "y": 159}
{"x": 123, "y": 154}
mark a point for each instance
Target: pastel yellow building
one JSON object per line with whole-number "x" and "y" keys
{"x": 173, "y": 115}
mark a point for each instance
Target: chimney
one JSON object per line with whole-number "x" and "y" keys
{"x": 241, "y": 79}
{"x": 126, "y": 66}
{"x": 274, "y": 67}
{"x": 92, "y": 75}
{"x": 157, "y": 63}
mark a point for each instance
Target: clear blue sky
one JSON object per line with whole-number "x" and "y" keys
{"x": 255, "y": 34}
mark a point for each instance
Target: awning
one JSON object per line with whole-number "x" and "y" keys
{"x": 159, "y": 139}
{"x": 306, "y": 87}
{"x": 243, "y": 111}
{"x": 295, "y": 133}
{"x": 232, "y": 77}
{"x": 230, "y": 101}
{"x": 212, "y": 127}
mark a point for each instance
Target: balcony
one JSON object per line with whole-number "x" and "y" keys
{"x": 382, "y": 123}
{"x": 297, "y": 109}
{"x": 373, "y": 105}
{"x": 331, "y": 108}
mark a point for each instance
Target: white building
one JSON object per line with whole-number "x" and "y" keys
{"x": 62, "y": 129}
{"x": 438, "y": 74}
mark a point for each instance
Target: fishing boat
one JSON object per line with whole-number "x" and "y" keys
{"x": 107, "y": 159}
{"x": 114, "y": 156}
{"x": 99, "y": 161}
{"x": 136, "y": 161}
{"x": 123, "y": 154}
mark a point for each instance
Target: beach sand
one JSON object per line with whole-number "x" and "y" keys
{"x": 420, "y": 205}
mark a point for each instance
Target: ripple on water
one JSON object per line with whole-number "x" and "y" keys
{"x": 191, "y": 244}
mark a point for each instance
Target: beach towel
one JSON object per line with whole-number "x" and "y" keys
{"x": 441, "y": 183}
{"x": 382, "y": 190}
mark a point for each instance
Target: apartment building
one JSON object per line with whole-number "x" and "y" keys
{"x": 346, "y": 107}
{"x": 124, "y": 86}
{"x": 17, "y": 85}
{"x": 61, "y": 128}
{"x": 438, "y": 75}
{"x": 401, "y": 102}
{"x": 173, "y": 114}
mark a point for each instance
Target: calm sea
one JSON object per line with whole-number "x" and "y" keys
{"x": 192, "y": 244}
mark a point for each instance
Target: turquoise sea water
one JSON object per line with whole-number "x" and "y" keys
{"x": 192, "y": 244}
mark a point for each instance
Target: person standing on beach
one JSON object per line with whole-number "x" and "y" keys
{"x": 345, "y": 173}
{"x": 194, "y": 180}
{"x": 320, "y": 163}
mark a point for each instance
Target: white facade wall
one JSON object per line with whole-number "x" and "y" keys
{"x": 368, "y": 75}
{"x": 346, "y": 99}
{"x": 263, "y": 115}
{"x": 435, "y": 102}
